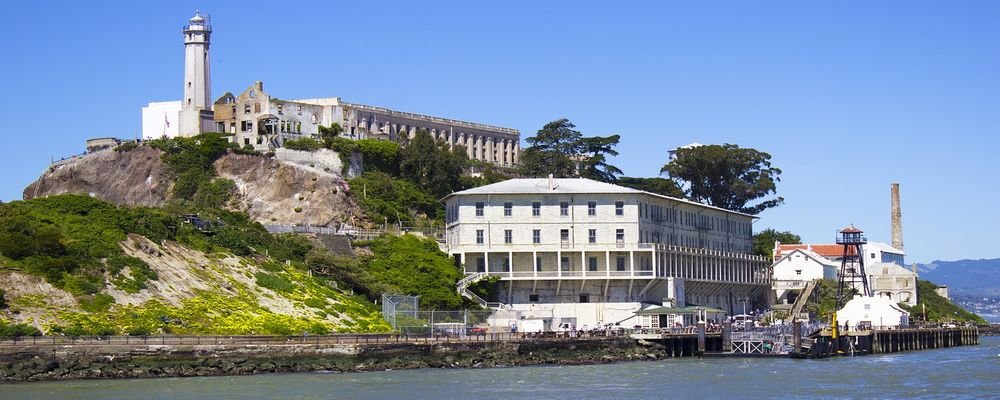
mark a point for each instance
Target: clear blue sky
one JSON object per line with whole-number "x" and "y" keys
{"x": 847, "y": 97}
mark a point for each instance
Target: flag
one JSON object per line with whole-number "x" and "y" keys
{"x": 166, "y": 121}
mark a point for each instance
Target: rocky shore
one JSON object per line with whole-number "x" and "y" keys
{"x": 148, "y": 361}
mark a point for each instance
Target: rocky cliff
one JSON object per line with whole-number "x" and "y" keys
{"x": 292, "y": 188}
{"x": 135, "y": 178}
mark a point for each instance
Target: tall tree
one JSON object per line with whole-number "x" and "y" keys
{"x": 431, "y": 164}
{"x": 726, "y": 176}
{"x": 763, "y": 241}
{"x": 564, "y": 152}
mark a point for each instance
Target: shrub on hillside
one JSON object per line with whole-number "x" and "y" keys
{"x": 303, "y": 144}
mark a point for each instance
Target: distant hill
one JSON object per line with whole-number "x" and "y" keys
{"x": 967, "y": 277}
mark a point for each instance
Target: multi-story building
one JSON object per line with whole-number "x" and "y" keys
{"x": 257, "y": 119}
{"x": 593, "y": 253}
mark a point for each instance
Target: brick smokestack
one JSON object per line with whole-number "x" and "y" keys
{"x": 897, "y": 219}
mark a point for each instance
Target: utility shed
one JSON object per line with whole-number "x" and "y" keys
{"x": 872, "y": 312}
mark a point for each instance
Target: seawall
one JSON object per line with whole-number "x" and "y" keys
{"x": 57, "y": 362}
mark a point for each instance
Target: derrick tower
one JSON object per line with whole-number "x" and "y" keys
{"x": 852, "y": 266}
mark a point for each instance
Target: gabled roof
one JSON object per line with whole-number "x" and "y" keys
{"x": 569, "y": 186}
{"x": 810, "y": 254}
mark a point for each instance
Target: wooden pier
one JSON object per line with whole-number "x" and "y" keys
{"x": 828, "y": 344}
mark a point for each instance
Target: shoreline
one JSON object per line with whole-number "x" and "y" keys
{"x": 48, "y": 363}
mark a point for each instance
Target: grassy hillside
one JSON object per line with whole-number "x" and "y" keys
{"x": 939, "y": 309}
{"x": 77, "y": 265}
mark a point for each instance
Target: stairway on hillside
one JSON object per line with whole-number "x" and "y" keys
{"x": 338, "y": 244}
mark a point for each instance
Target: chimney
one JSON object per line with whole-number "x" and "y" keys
{"x": 258, "y": 86}
{"x": 897, "y": 219}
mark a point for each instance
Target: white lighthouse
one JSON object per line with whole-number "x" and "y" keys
{"x": 196, "y": 115}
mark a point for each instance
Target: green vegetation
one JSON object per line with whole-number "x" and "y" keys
{"x": 378, "y": 155}
{"x": 824, "y": 304}
{"x": 938, "y": 309}
{"x": 191, "y": 162}
{"x": 560, "y": 150}
{"x": 8, "y": 329}
{"x": 661, "y": 186}
{"x": 3, "y": 300}
{"x": 431, "y": 165}
{"x": 385, "y": 198}
{"x": 412, "y": 265}
{"x": 127, "y": 146}
{"x": 763, "y": 241}
{"x": 726, "y": 176}
{"x": 304, "y": 144}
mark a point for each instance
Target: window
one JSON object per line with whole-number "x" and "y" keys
{"x": 536, "y": 236}
{"x": 798, "y": 272}
{"x": 591, "y": 208}
{"x": 281, "y": 109}
{"x": 538, "y": 263}
{"x": 479, "y": 236}
{"x": 480, "y": 208}
{"x": 533, "y": 298}
{"x": 564, "y": 209}
{"x": 619, "y": 235}
{"x": 508, "y": 209}
{"x": 508, "y": 236}
{"x": 480, "y": 264}
{"x": 564, "y": 264}
{"x": 592, "y": 264}
{"x": 584, "y": 298}
{"x": 620, "y": 263}
{"x": 619, "y": 208}
{"x": 592, "y": 236}
{"x": 564, "y": 235}
{"x": 536, "y": 208}
{"x": 298, "y": 109}
{"x": 246, "y": 109}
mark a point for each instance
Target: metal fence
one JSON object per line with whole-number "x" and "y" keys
{"x": 396, "y": 306}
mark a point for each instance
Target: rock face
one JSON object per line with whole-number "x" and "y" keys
{"x": 273, "y": 191}
{"x": 44, "y": 362}
{"x": 297, "y": 187}
{"x": 134, "y": 178}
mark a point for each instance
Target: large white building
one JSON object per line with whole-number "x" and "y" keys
{"x": 592, "y": 253}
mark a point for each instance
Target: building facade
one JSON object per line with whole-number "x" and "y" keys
{"x": 257, "y": 119}
{"x": 798, "y": 267}
{"x": 594, "y": 253}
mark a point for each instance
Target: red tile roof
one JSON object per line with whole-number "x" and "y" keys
{"x": 825, "y": 250}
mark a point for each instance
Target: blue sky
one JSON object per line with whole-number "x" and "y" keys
{"x": 846, "y": 97}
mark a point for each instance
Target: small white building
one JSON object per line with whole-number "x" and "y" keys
{"x": 797, "y": 268}
{"x": 872, "y": 311}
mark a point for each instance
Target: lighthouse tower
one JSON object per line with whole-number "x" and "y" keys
{"x": 196, "y": 115}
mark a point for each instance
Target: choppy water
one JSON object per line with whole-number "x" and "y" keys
{"x": 961, "y": 372}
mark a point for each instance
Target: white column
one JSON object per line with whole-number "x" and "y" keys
{"x": 631, "y": 261}
{"x": 510, "y": 262}
{"x": 559, "y": 263}
{"x": 607, "y": 263}
{"x": 583, "y": 262}
{"x": 534, "y": 263}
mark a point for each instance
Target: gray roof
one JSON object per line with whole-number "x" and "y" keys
{"x": 567, "y": 186}
{"x": 541, "y": 186}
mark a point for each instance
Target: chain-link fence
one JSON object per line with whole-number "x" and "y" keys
{"x": 396, "y": 306}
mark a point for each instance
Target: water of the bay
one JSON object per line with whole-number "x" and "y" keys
{"x": 960, "y": 372}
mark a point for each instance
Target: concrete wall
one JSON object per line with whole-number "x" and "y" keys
{"x": 160, "y": 119}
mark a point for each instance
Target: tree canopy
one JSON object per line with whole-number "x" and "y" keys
{"x": 564, "y": 152}
{"x": 763, "y": 241}
{"x": 431, "y": 164}
{"x": 726, "y": 176}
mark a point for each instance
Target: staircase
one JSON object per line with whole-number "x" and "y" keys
{"x": 338, "y": 244}
{"x": 800, "y": 302}
{"x": 463, "y": 288}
